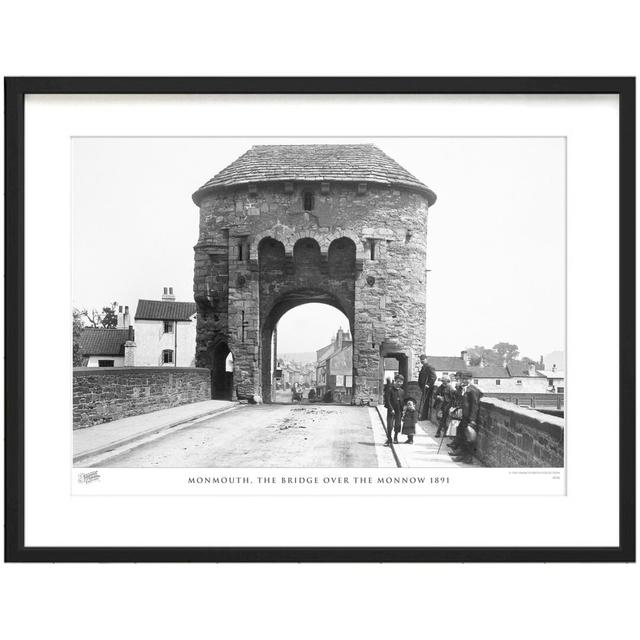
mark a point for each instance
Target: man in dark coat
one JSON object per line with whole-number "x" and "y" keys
{"x": 394, "y": 402}
{"x": 470, "y": 403}
{"x": 426, "y": 380}
{"x": 446, "y": 393}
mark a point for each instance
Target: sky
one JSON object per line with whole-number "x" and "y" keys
{"x": 496, "y": 234}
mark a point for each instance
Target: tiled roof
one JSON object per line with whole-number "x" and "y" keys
{"x": 446, "y": 363}
{"x": 314, "y": 163}
{"x": 104, "y": 342}
{"x": 490, "y": 371}
{"x": 551, "y": 374}
{"x": 518, "y": 368}
{"x": 164, "y": 310}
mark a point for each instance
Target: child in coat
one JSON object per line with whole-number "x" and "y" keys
{"x": 409, "y": 420}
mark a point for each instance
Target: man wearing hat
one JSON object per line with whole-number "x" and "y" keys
{"x": 462, "y": 447}
{"x": 426, "y": 380}
{"x": 446, "y": 393}
{"x": 394, "y": 402}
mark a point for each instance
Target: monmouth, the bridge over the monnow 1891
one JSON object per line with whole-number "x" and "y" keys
{"x": 286, "y": 225}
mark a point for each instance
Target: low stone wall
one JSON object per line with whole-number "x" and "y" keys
{"x": 510, "y": 436}
{"x": 106, "y": 394}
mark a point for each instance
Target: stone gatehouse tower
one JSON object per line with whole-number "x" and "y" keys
{"x": 284, "y": 225}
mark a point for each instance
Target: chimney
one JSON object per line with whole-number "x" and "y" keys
{"x": 532, "y": 369}
{"x": 483, "y": 361}
{"x": 339, "y": 338}
{"x": 553, "y": 369}
{"x": 168, "y": 296}
{"x": 129, "y": 353}
{"x": 120, "y": 316}
{"x": 465, "y": 356}
{"x": 541, "y": 363}
{"x": 126, "y": 320}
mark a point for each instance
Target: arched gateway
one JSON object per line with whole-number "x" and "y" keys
{"x": 285, "y": 225}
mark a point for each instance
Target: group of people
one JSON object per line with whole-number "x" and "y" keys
{"x": 454, "y": 404}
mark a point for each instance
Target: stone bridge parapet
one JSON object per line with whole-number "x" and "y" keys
{"x": 511, "y": 436}
{"x": 106, "y": 394}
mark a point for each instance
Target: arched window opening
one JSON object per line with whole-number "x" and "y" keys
{"x": 342, "y": 259}
{"x": 306, "y": 256}
{"x": 271, "y": 254}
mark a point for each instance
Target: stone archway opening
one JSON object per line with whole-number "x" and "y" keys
{"x": 329, "y": 373}
{"x": 312, "y": 355}
{"x": 221, "y": 372}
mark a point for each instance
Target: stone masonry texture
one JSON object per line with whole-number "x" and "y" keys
{"x": 103, "y": 395}
{"x": 266, "y": 247}
{"x": 509, "y": 436}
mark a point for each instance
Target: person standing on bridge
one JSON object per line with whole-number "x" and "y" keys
{"x": 409, "y": 420}
{"x": 463, "y": 446}
{"x": 394, "y": 401}
{"x": 426, "y": 380}
{"x": 446, "y": 394}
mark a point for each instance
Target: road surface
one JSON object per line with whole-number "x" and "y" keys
{"x": 270, "y": 436}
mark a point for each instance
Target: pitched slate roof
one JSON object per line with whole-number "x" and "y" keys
{"x": 164, "y": 310}
{"x": 490, "y": 371}
{"x": 447, "y": 363}
{"x": 104, "y": 342}
{"x": 518, "y": 368}
{"x": 314, "y": 163}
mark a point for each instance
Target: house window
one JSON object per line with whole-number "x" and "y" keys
{"x": 168, "y": 326}
{"x": 498, "y": 382}
{"x": 347, "y": 381}
{"x": 167, "y": 356}
{"x": 308, "y": 200}
{"x": 373, "y": 249}
{"x": 339, "y": 381}
{"x": 105, "y": 363}
{"x": 560, "y": 389}
{"x": 518, "y": 381}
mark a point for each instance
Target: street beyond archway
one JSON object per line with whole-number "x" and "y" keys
{"x": 271, "y": 436}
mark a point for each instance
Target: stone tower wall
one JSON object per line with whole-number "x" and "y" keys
{"x": 382, "y": 292}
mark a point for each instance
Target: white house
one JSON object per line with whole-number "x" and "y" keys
{"x": 554, "y": 378}
{"x": 165, "y": 332}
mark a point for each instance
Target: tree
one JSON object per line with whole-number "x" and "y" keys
{"x": 107, "y": 318}
{"x": 492, "y": 357}
{"x": 110, "y": 316}
{"x": 506, "y": 351}
{"x": 77, "y": 330}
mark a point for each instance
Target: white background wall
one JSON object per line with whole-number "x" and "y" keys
{"x": 151, "y": 340}
{"x": 244, "y": 600}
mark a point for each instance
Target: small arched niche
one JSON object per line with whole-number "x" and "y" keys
{"x": 306, "y": 257}
{"x": 342, "y": 259}
{"x": 271, "y": 254}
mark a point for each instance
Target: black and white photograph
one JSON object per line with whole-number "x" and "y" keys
{"x": 391, "y": 302}
{"x": 347, "y": 314}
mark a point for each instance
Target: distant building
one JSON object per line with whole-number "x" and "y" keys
{"x": 516, "y": 376}
{"x": 104, "y": 347}
{"x": 448, "y": 365}
{"x": 101, "y": 347}
{"x": 334, "y": 367}
{"x": 165, "y": 332}
{"x": 555, "y": 379}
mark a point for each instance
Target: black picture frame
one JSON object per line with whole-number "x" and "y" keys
{"x": 15, "y": 91}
